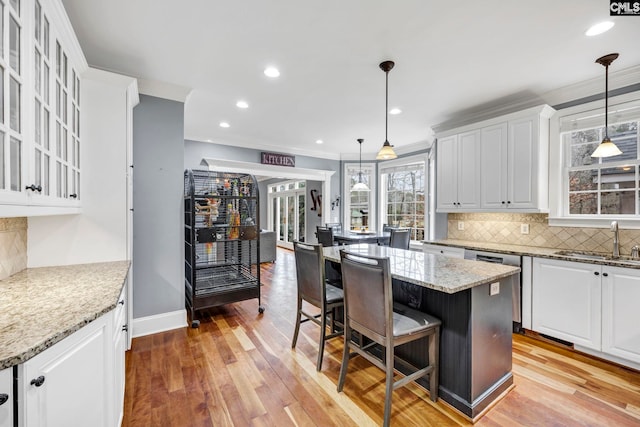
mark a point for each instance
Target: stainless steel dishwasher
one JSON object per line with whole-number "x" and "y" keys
{"x": 515, "y": 260}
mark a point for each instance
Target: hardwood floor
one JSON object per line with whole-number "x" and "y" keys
{"x": 238, "y": 369}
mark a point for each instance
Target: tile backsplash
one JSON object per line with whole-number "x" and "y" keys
{"x": 505, "y": 228}
{"x": 13, "y": 246}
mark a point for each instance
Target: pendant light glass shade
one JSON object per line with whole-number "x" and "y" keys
{"x": 606, "y": 148}
{"x": 386, "y": 152}
{"x": 360, "y": 186}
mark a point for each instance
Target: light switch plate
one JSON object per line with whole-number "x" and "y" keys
{"x": 524, "y": 228}
{"x": 460, "y": 225}
{"x": 495, "y": 288}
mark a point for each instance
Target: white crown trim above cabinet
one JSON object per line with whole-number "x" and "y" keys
{"x": 495, "y": 165}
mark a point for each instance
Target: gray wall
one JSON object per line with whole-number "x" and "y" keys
{"x": 158, "y": 247}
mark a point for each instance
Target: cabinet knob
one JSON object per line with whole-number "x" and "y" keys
{"x": 597, "y": 273}
{"x": 73, "y": 196}
{"x": 121, "y": 302}
{"x": 125, "y": 327}
{"x": 3, "y": 398}
{"x": 605, "y": 274}
{"x": 33, "y": 187}
{"x": 508, "y": 202}
{"x": 503, "y": 202}
{"x": 38, "y": 381}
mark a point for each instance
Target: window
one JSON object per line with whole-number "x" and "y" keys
{"x": 599, "y": 188}
{"x": 359, "y": 206}
{"x": 403, "y": 195}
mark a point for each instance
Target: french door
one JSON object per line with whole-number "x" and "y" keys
{"x": 287, "y": 212}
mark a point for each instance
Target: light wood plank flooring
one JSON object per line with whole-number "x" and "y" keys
{"x": 238, "y": 369}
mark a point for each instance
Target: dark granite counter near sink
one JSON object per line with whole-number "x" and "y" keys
{"x": 534, "y": 251}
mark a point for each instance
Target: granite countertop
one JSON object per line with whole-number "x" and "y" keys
{"x": 42, "y": 306}
{"x": 444, "y": 274}
{"x": 539, "y": 252}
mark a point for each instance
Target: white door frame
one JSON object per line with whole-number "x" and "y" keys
{"x": 222, "y": 165}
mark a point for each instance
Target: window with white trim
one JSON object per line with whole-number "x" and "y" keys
{"x": 359, "y": 206}
{"x": 601, "y": 187}
{"x": 404, "y": 194}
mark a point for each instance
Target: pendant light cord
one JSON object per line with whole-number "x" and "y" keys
{"x": 606, "y": 102}
{"x": 386, "y": 107}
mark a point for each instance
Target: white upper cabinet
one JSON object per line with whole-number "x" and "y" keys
{"x": 40, "y": 66}
{"x": 493, "y": 161}
{"x": 509, "y": 169}
{"x": 458, "y": 172}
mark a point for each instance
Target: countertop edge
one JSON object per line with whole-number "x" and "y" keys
{"x": 532, "y": 251}
{"x": 24, "y": 355}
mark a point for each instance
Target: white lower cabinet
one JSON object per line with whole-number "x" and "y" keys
{"x": 566, "y": 301}
{"x": 443, "y": 250}
{"x": 80, "y": 380}
{"x": 593, "y": 306}
{"x": 70, "y": 383}
{"x": 620, "y": 313}
{"x": 6, "y": 397}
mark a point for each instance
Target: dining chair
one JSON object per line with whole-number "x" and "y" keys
{"x": 370, "y": 311}
{"x": 314, "y": 289}
{"x": 324, "y": 235}
{"x": 400, "y": 238}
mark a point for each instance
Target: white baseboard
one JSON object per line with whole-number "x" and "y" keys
{"x": 159, "y": 323}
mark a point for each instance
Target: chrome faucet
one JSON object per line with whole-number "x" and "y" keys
{"x": 616, "y": 240}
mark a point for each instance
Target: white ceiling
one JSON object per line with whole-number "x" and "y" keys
{"x": 451, "y": 57}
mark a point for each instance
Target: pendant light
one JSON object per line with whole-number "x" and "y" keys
{"x": 386, "y": 152}
{"x": 606, "y": 147}
{"x": 360, "y": 186}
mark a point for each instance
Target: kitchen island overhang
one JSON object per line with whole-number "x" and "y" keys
{"x": 473, "y": 301}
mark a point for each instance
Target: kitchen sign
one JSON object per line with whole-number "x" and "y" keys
{"x": 277, "y": 159}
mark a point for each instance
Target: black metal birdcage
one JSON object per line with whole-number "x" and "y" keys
{"x": 222, "y": 239}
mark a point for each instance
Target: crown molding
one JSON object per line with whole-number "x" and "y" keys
{"x": 70, "y": 44}
{"x": 164, "y": 90}
{"x": 271, "y": 148}
{"x": 619, "y": 79}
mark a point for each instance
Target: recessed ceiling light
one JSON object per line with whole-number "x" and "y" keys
{"x": 599, "y": 28}
{"x": 224, "y": 124}
{"x": 242, "y": 104}
{"x": 395, "y": 111}
{"x": 271, "y": 72}
{"x": 319, "y": 141}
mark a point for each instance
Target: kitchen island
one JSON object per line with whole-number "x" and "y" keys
{"x": 473, "y": 301}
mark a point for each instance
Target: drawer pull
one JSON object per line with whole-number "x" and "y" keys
{"x": 3, "y": 398}
{"x": 38, "y": 381}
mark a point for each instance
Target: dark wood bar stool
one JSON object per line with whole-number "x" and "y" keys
{"x": 314, "y": 289}
{"x": 370, "y": 311}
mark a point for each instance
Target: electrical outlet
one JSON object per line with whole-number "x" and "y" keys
{"x": 460, "y": 225}
{"x": 495, "y": 288}
{"x": 524, "y": 228}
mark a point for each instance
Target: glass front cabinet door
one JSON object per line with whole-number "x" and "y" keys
{"x": 40, "y": 66}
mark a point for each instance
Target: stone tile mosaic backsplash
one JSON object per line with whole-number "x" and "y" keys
{"x": 505, "y": 228}
{"x": 13, "y": 246}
